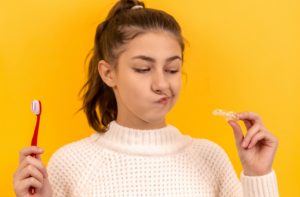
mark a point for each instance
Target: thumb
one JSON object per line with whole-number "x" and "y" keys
{"x": 237, "y": 131}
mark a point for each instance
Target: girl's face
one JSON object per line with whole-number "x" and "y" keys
{"x": 148, "y": 70}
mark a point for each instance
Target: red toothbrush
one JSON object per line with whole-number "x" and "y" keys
{"x": 36, "y": 108}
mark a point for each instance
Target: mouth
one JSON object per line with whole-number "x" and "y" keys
{"x": 163, "y": 100}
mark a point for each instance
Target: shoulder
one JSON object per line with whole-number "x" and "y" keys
{"x": 218, "y": 164}
{"x": 208, "y": 146}
{"x": 72, "y": 161}
{"x": 209, "y": 151}
{"x": 75, "y": 151}
{"x": 213, "y": 156}
{"x": 69, "y": 164}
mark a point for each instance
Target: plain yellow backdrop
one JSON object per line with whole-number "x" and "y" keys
{"x": 240, "y": 56}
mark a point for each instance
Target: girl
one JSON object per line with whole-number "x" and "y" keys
{"x": 134, "y": 80}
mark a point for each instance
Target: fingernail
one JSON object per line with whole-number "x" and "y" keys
{"x": 40, "y": 149}
{"x": 244, "y": 144}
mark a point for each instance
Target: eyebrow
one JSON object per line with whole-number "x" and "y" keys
{"x": 150, "y": 59}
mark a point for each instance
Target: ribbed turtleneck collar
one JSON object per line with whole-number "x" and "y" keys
{"x": 164, "y": 140}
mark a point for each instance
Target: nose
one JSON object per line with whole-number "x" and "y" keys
{"x": 159, "y": 82}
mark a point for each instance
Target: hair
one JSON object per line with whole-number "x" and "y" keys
{"x": 120, "y": 26}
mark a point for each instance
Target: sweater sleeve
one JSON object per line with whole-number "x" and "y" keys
{"x": 59, "y": 177}
{"x": 265, "y": 185}
{"x": 64, "y": 169}
{"x": 227, "y": 181}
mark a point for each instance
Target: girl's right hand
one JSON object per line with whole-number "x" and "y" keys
{"x": 31, "y": 173}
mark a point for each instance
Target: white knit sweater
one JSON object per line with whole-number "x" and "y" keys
{"x": 158, "y": 162}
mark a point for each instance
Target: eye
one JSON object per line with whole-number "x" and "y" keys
{"x": 173, "y": 71}
{"x": 141, "y": 70}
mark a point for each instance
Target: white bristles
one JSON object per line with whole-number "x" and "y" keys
{"x": 35, "y": 107}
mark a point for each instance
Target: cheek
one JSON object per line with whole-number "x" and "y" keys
{"x": 136, "y": 98}
{"x": 176, "y": 85}
{"x": 132, "y": 88}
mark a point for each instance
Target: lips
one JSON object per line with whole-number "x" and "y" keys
{"x": 163, "y": 100}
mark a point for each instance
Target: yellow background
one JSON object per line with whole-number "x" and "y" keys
{"x": 242, "y": 56}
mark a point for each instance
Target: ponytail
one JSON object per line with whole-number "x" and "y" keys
{"x": 121, "y": 25}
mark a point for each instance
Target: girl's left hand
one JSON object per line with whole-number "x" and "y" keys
{"x": 257, "y": 149}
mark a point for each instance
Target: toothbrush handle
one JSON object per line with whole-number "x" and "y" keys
{"x": 32, "y": 189}
{"x": 36, "y": 131}
{"x": 34, "y": 143}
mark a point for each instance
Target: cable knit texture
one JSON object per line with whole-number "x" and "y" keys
{"x": 158, "y": 162}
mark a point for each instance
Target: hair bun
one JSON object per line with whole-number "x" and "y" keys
{"x": 123, "y": 5}
{"x": 131, "y": 3}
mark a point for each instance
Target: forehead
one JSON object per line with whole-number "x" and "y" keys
{"x": 158, "y": 45}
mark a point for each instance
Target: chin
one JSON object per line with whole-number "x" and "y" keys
{"x": 155, "y": 120}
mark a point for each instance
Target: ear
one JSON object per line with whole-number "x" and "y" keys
{"x": 107, "y": 73}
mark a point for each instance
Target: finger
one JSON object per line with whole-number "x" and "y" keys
{"x": 38, "y": 156}
{"x": 34, "y": 162}
{"x": 251, "y": 116}
{"x": 28, "y": 151}
{"x": 30, "y": 182}
{"x": 238, "y": 134}
{"x": 250, "y": 133}
{"x": 268, "y": 139}
{"x": 257, "y": 137}
{"x": 31, "y": 171}
{"x": 248, "y": 124}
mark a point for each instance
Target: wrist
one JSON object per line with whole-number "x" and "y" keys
{"x": 256, "y": 173}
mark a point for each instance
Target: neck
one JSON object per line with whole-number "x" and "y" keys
{"x": 164, "y": 140}
{"x": 140, "y": 124}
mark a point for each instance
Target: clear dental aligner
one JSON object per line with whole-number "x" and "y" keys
{"x": 229, "y": 115}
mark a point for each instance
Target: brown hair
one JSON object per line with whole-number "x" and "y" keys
{"x": 120, "y": 26}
